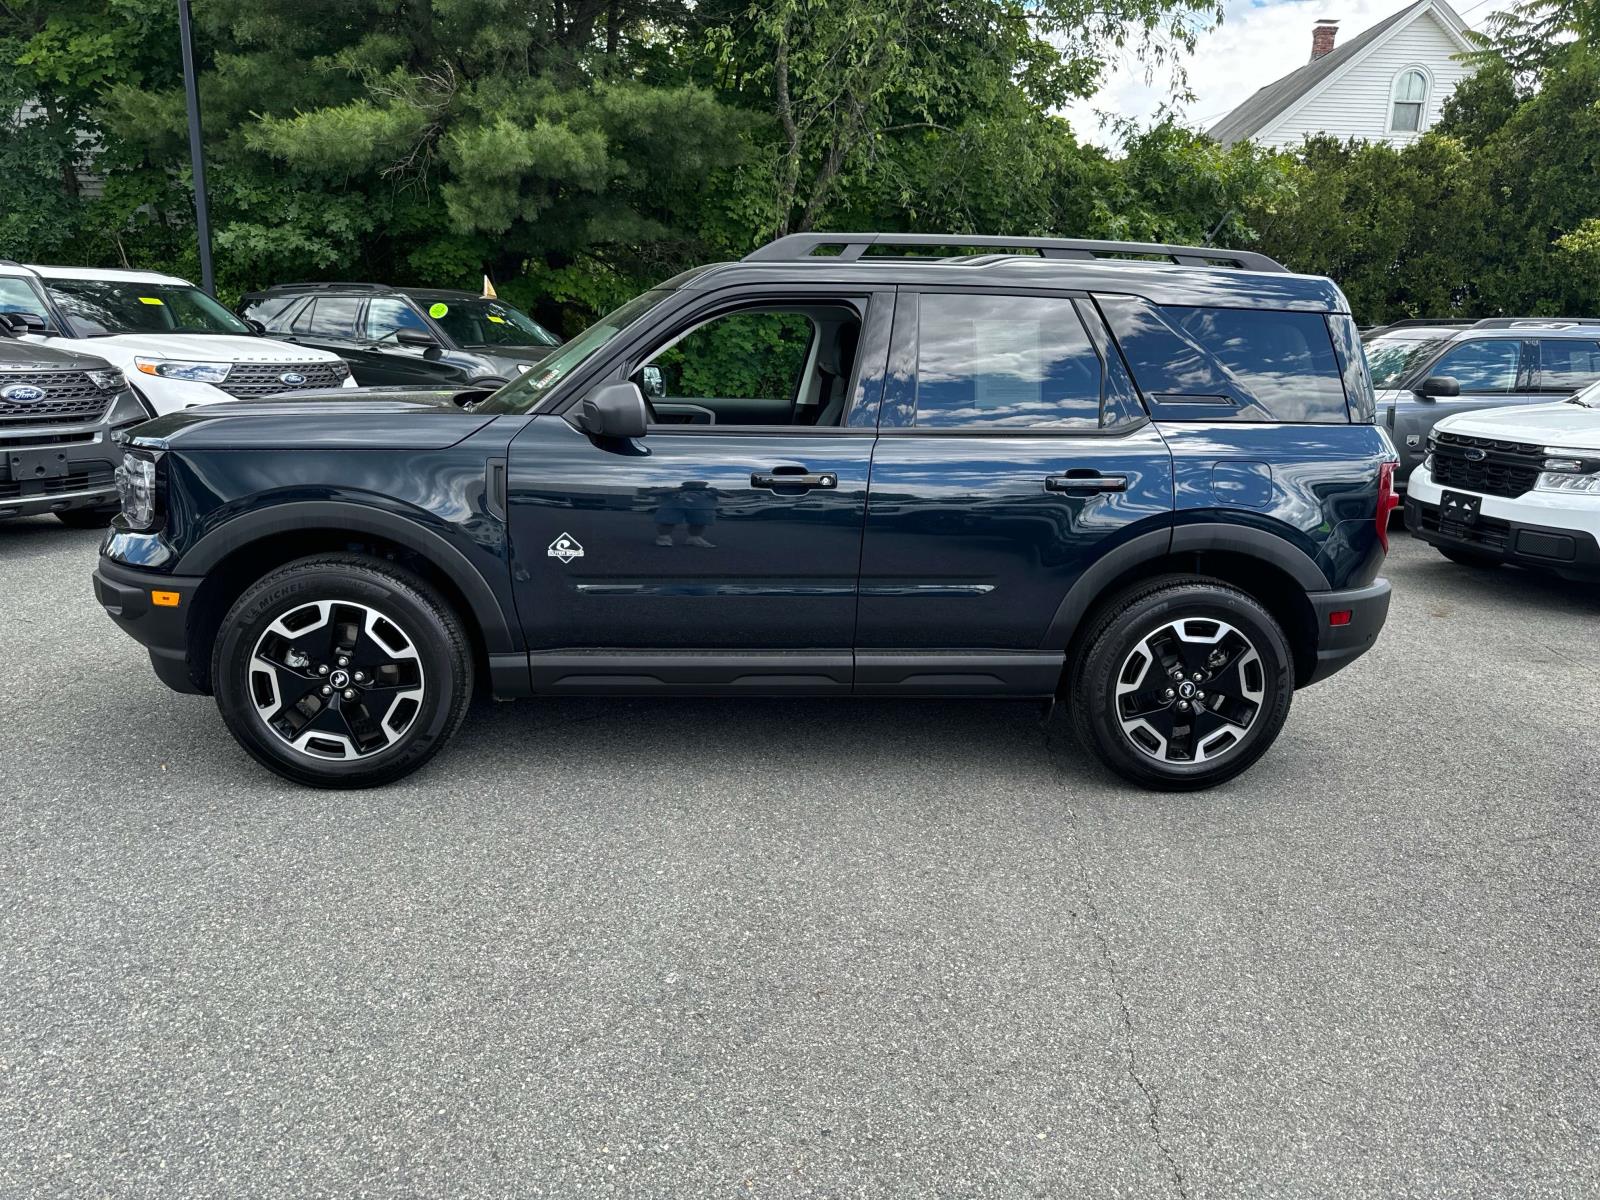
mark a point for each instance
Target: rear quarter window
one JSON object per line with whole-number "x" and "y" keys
{"x": 1230, "y": 364}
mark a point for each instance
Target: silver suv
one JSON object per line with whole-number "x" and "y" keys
{"x": 1424, "y": 371}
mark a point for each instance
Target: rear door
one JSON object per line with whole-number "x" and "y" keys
{"x": 1012, "y": 453}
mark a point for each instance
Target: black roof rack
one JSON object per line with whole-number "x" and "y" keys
{"x": 328, "y": 286}
{"x": 851, "y": 246}
{"x": 1428, "y": 323}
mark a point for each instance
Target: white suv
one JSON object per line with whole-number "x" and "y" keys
{"x": 177, "y": 346}
{"x": 1514, "y": 485}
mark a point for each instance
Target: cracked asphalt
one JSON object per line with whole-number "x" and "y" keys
{"x": 808, "y": 948}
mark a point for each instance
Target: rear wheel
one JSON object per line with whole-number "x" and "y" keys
{"x": 1182, "y": 683}
{"x": 1468, "y": 558}
{"x": 342, "y": 671}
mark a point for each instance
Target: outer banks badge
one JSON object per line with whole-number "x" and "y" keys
{"x": 565, "y": 548}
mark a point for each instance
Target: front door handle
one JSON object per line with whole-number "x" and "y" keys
{"x": 793, "y": 477}
{"x": 1081, "y": 482}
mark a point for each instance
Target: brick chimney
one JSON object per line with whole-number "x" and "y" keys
{"x": 1322, "y": 35}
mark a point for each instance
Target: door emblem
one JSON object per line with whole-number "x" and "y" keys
{"x": 292, "y": 378}
{"x": 565, "y": 548}
{"x": 22, "y": 393}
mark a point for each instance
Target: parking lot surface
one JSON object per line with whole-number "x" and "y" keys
{"x": 808, "y": 948}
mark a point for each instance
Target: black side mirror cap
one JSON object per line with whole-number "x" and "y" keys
{"x": 1439, "y": 385}
{"x": 18, "y": 323}
{"x": 256, "y": 327}
{"x": 415, "y": 337}
{"x": 613, "y": 410}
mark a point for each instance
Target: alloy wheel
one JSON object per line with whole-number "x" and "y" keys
{"x": 1190, "y": 690}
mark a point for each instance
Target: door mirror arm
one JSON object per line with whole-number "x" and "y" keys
{"x": 613, "y": 410}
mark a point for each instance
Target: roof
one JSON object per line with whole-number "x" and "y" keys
{"x": 107, "y": 274}
{"x": 350, "y": 288}
{"x": 1279, "y": 96}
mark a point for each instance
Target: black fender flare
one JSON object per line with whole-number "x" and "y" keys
{"x": 1179, "y": 539}
{"x": 342, "y": 515}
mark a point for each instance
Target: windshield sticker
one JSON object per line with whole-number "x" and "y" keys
{"x": 438, "y": 310}
{"x": 497, "y": 320}
{"x": 150, "y": 300}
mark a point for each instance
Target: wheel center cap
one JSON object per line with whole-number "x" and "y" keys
{"x": 1186, "y": 690}
{"x": 341, "y": 679}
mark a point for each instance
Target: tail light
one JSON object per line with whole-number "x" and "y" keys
{"x": 1387, "y": 501}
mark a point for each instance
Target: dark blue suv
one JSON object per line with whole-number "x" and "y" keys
{"x": 1141, "y": 478}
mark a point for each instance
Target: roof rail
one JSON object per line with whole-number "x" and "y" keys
{"x": 1546, "y": 322}
{"x": 327, "y": 286}
{"x": 798, "y": 246}
{"x": 1429, "y": 322}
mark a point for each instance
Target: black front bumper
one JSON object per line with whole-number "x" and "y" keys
{"x": 1340, "y": 645}
{"x": 1570, "y": 553}
{"x": 40, "y": 476}
{"x": 129, "y": 597}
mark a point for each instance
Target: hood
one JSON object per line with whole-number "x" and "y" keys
{"x": 338, "y": 419}
{"x": 1571, "y": 426}
{"x": 17, "y": 355}
{"x": 121, "y": 348}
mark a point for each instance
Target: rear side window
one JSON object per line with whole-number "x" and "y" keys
{"x": 1219, "y": 364}
{"x": 1005, "y": 362}
{"x": 329, "y": 316}
{"x": 1567, "y": 364}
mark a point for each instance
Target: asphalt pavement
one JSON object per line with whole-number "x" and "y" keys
{"x": 808, "y": 948}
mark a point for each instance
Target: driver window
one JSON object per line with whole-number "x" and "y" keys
{"x": 772, "y": 366}
{"x": 387, "y": 316}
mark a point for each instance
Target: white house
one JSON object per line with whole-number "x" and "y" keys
{"x": 1387, "y": 85}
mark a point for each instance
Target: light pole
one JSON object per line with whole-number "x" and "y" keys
{"x": 197, "y": 161}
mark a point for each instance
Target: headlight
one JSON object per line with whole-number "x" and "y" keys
{"x": 194, "y": 372}
{"x": 1560, "y": 481}
{"x": 136, "y": 484}
{"x": 107, "y": 380}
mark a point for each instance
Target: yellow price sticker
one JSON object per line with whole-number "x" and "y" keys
{"x": 497, "y": 320}
{"x": 438, "y": 310}
{"x": 151, "y": 300}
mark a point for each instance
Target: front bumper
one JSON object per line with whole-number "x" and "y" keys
{"x": 1568, "y": 552}
{"x": 130, "y": 597}
{"x": 1340, "y": 645}
{"x": 42, "y": 472}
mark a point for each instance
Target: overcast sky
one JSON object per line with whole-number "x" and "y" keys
{"x": 1257, "y": 42}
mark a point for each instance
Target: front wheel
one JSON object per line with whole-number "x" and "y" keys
{"x": 342, "y": 671}
{"x": 1182, "y": 683}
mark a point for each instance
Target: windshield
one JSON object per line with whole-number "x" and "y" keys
{"x": 1391, "y": 358}
{"x": 527, "y": 390}
{"x": 98, "y": 308}
{"x": 489, "y": 323}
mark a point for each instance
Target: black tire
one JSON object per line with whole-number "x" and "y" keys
{"x": 1128, "y": 631}
{"x": 427, "y": 642}
{"x": 88, "y": 518}
{"x": 1468, "y": 558}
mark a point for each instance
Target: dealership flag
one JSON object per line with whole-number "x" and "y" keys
{"x": 488, "y": 290}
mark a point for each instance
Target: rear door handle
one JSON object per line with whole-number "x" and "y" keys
{"x": 793, "y": 477}
{"x": 1086, "y": 481}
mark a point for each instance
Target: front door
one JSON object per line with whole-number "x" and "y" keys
{"x": 1013, "y": 451}
{"x": 721, "y": 549}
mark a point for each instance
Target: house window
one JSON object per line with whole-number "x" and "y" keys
{"x": 1407, "y": 101}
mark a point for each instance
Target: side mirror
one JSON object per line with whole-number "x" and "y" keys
{"x": 256, "y": 327}
{"x": 653, "y": 383}
{"x": 18, "y": 323}
{"x": 1439, "y": 385}
{"x": 613, "y": 410}
{"x": 415, "y": 337}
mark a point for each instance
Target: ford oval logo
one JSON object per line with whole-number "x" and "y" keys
{"x": 1476, "y": 455}
{"x": 291, "y": 378}
{"x": 22, "y": 393}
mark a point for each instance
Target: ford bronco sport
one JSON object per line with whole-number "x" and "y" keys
{"x": 1141, "y": 478}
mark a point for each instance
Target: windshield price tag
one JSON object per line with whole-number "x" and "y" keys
{"x": 151, "y": 300}
{"x": 438, "y": 310}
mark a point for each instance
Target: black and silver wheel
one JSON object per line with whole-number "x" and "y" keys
{"x": 342, "y": 671}
{"x": 1182, "y": 683}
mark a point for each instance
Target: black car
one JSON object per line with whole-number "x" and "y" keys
{"x": 416, "y": 337}
{"x": 59, "y": 413}
{"x": 1152, "y": 489}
